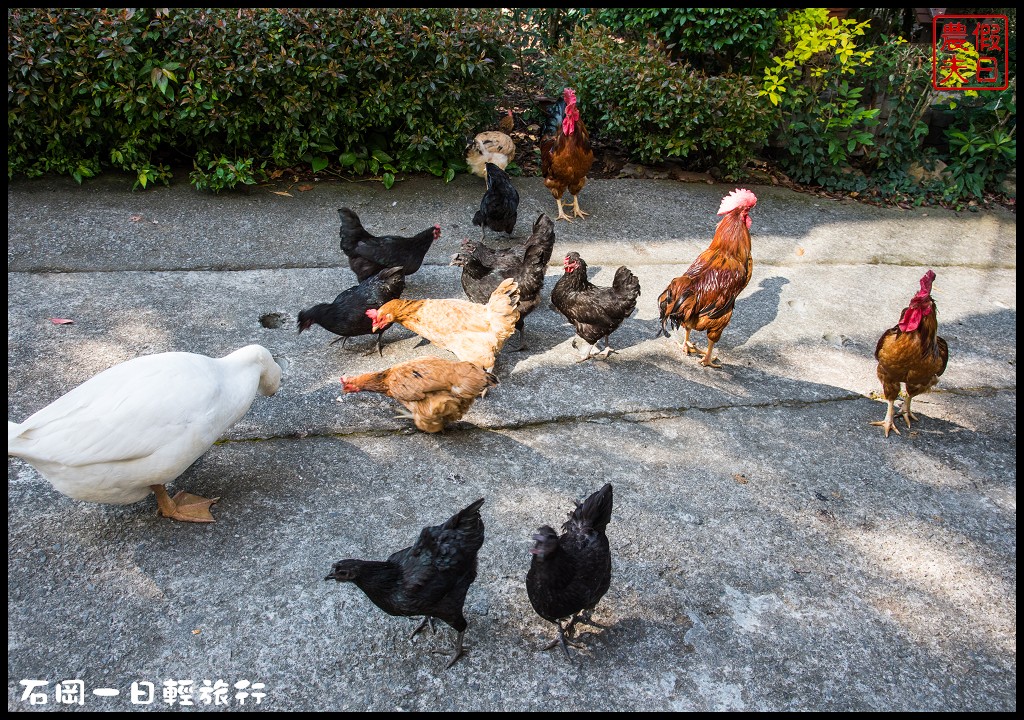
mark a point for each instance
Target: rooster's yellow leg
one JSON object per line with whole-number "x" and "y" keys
{"x": 184, "y": 506}
{"x": 561, "y": 212}
{"x": 707, "y": 360}
{"x": 907, "y": 415}
{"x": 688, "y": 346}
{"x": 888, "y": 424}
{"x": 576, "y": 208}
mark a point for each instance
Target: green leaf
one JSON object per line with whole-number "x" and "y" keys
{"x": 388, "y": 180}
{"x": 346, "y": 159}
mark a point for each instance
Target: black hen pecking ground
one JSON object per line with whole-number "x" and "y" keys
{"x": 346, "y": 316}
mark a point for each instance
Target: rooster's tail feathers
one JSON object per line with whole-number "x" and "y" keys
{"x": 593, "y": 513}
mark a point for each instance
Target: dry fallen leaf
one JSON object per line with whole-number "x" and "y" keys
{"x": 282, "y": 192}
{"x": 61, "y": 321}
{"x": 740, "y": 478}
{"x": 136, "y": 218}
{"x": 305, "y": 187}
{"x": 799, "y": 251}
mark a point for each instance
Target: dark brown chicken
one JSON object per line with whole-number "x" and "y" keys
{"x": 571, "y": 572}
{"x": 483, "y": 269}
{"x": 596, "y": 312}
{"x": 429, "y": 578}
{"x": 434, "y": 391}
{"x": 703, "y": 297}
{"x": 565, "y": 153}
{"x": 911, "y": 353}
{"x": 369, "y": 254}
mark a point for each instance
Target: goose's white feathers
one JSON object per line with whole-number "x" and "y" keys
{"x": 142, "y": 422}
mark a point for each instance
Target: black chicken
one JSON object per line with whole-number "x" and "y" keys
{"x": 483, "y": 269}
{"x": 369, "y": 254}
{"x": 499, "y": 207}
{"x": 430, "y": 578}
{"x": 595, "y": 312}
{"x": 346, "y": 316}
{"x": 569, "y": 574}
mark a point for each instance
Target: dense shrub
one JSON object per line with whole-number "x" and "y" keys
{"x": 711, "y": 39}
{"x": 658, "y": 108}
{"x": 382, "y": 91}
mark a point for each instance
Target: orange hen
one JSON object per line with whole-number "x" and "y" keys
{"x": 434, "y": 391}
{"x": 566, "y": 154}
{"x": 703, "y": 297}
{"x": 911, "y": 353}
{"x": 474, "y": 332}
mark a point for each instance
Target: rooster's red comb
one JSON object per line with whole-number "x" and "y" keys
{"x": 569, "y": 95}
{"x": 738, "y": 198}
{"x": 926, "y": 284}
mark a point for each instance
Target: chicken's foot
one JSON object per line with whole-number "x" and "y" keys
{"x": 608, "y": 349}
{"x": 688, "y": 346}
{"x": 907, "y": 415}
{"x": 576, "y": 208}
{"x": 460, "y": 650}
{"x": 588, "y": 350}
{"x": 427, "y": 620}
{"x": 405, "y": 414}
{"x": 184, "y": 506}
{"x": 888, "y": 424}
{"x": 561, "y": 212}
{"x": 559, "y": 640}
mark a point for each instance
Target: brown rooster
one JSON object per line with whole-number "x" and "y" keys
{"x": 433, "y": 390}
{"x": 703, "y": 297}
{"x": 911, "y": 353}
{"x": 474, "y": 332}
{"x": 565, "y": 153}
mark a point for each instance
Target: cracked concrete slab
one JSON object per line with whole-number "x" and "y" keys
{"x": 771, "y": 549}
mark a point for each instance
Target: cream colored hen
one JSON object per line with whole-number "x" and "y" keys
{"x": 474, "y": 332}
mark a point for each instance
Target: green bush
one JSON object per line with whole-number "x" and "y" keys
{"x": 139, "y": 90}
{"x": 825, "y": 118}
{"x": 658, "y": 108}
{"x": 982, "y": 143}
{"x": 712, "y": 39}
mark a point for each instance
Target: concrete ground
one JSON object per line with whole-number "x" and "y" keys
{"x": 771, "y": 549}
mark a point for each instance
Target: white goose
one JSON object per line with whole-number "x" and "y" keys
{"x": 138, "y": 425}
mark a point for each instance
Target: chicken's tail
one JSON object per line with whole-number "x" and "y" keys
{"x": 505, "y": 299}
{"x": 626, "y": 284}
{"x": 351, "y": 230}
{"x": 469, "y": 525}
{"x": 594, "y": 513}
{"x": 674, "y": 304}
{"x": 392, "y": 282}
